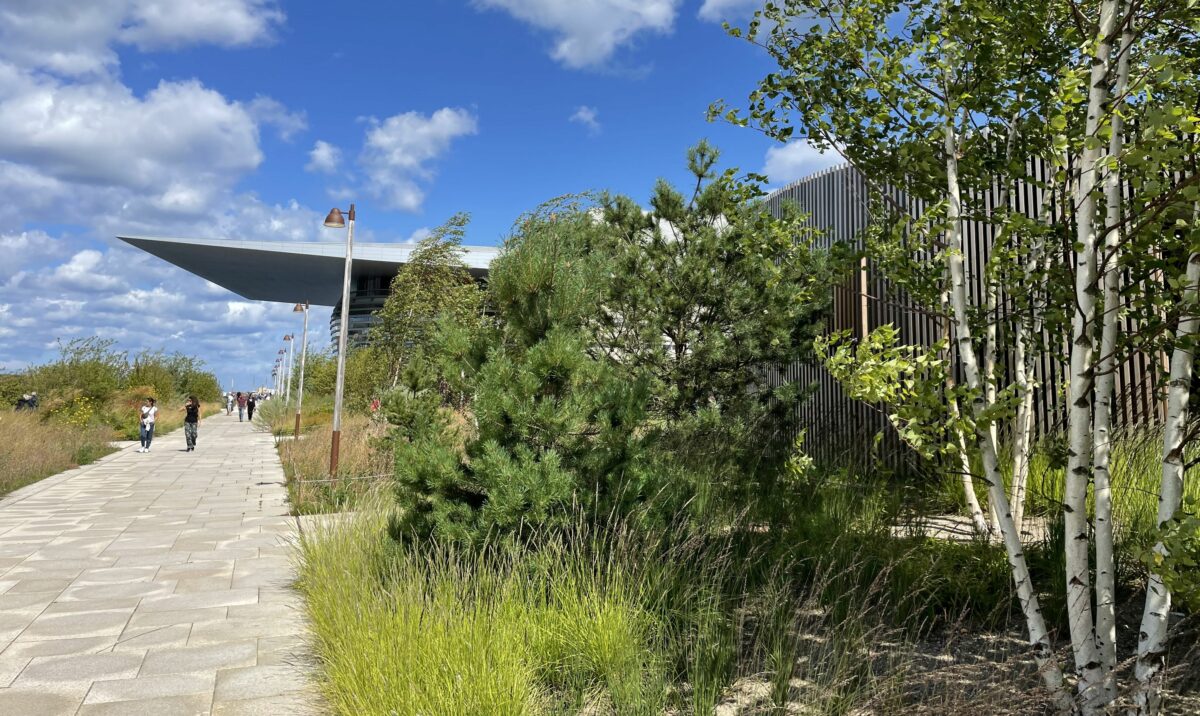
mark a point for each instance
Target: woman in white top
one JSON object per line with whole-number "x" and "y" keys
{"x": 146, "y": 429}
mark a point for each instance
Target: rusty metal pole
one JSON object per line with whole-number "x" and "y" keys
{"x": 303, "y": 356}
{"x": 343, "y": 332}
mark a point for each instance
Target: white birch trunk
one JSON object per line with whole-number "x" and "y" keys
{"x": 978, "y": 522}
{"x": 1102, "y": 526}
{"x": 1022, "y": 431}
{"x": 1039, "y": 637}
{"x": 1080, "y": 390}
{"x": 1152, "y": 638}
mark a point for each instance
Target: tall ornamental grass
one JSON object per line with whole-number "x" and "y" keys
{"x": 603, "y": 621}
{"x": 32, "y": 448}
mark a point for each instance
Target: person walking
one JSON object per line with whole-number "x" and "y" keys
{"x": 241, "y": 403}
{"x": 250, "y": 405}
{"x": 146, "y": 428}
{"x": 191, "y": 421}
{"x": 229, "y": 403}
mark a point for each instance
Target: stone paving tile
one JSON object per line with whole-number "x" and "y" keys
{"x": 155, "y": 584}
{"x": 193, "y": 705}
{"x": 151, "y": 687}
{"x": 41, "y": 701}
{"x": 206, "y": 658}
{"x": 80, "y": 667}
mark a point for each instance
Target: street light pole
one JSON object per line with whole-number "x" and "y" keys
{"x": 287, "y": 386}
{"x": 335, "y": 220}
{"x": 303, "y": 355}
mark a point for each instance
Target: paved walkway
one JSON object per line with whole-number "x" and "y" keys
{"x": 154, "y": 584}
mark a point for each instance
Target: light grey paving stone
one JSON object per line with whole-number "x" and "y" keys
{"x": 138, "y": 590}
{"x": 257, "y": 682}
{"x": 39, "y": 585}
{"x": 59, "y": 647}
{"x": 61, "y": 626}
{"x": 183, "y": 616}
{"x": 31, "y": 602}
{"x": 40, "y": 701}
{"x": 79, "y": 668}
{"x": 300, "y": 703}
{"x": 11, "y": 666}
{"x": 121, "y": 575}
{"x": 194, "y": 659}
{"x": 191, "y": 585}
{"x": 280, "y": 650}
{"x": 193, "y": 705}
{"x": 235, "y": 629}
{"x": 151, "y": 687}
{"x": 143, "y": 638}
{"x": 126, "y": 604}
{"x": 199, "y": 600}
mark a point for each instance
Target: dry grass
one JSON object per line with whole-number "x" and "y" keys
{"x": 32, "y": 448}
{"x": 362, "y": 462}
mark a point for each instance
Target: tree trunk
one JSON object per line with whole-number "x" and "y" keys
{"x": 978, "y": 522}
{"x": 1022, "y": 431}
{"x": 1039, "y": 637}
{"x": 1080, "y": 392}
{"x": 1152, "y": 638}
{"x": 1106, "y": 619}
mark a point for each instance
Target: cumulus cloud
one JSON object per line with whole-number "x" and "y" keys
{"x": 268, "y": 111}
{"x": 398, "y": 152}
{"x": 84, "y": 273}
{"x": 795, "y": 160}
{"x": 77, "y": 37}
{"x": 180, "y": 137}
{"x": 588, "y": 117}
{"x": 723, "y": 10}
{"x": 587, "y": 32}
{"x": 324, "y": 157}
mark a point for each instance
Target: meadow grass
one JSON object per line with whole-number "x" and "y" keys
{"x": 363, "y": 462}
{"x": 32, "y": 448}
{"x": 605, "y": 620}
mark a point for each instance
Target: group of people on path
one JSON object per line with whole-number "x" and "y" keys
{"x": 191, "y": 422}
{"x": 246, "y": 402}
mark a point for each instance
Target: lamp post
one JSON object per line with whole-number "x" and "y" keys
{"x": 282, "y": 368}
{"x": 287, "y": 380}
{"x": 301, "y": 308}
{"x": 336, "y": 221}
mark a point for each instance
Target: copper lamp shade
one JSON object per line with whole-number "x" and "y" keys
{"x": 335, "y": 219}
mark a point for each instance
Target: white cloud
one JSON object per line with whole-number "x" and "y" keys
{"x": 324, "y": 157}
{"x": 266, "y": 110}
{"x": 587, "y": 32}
{"x": 77, "y": 37}
{"x": 795, "y": 160}
{"x": 587, "y": 116}
{"x": 398, "y": 151}
{"x": 100, "y": 133}
{"x": 83, "y": 272}
{"x": 723, "y": 10}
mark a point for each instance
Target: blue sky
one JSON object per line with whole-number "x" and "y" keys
{"x": 250, "y": 118}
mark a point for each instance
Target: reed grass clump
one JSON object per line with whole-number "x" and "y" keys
{"x": 32, "y": 448}
{"x": 600, "y": 619}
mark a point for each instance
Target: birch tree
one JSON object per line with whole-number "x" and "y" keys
{"x": 915, "y": 96}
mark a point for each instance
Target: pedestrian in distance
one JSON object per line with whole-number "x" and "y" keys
{"x": 241, "y": 403}
{"x": 250, "y": 405}
{"x": 191, "y": 421}
{"x": 146, "y": 427}
{"x": 229, "y": 403}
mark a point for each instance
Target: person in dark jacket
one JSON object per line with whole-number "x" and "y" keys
{"x": 250, "y": 404}
{"x": 191, "y": 421}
